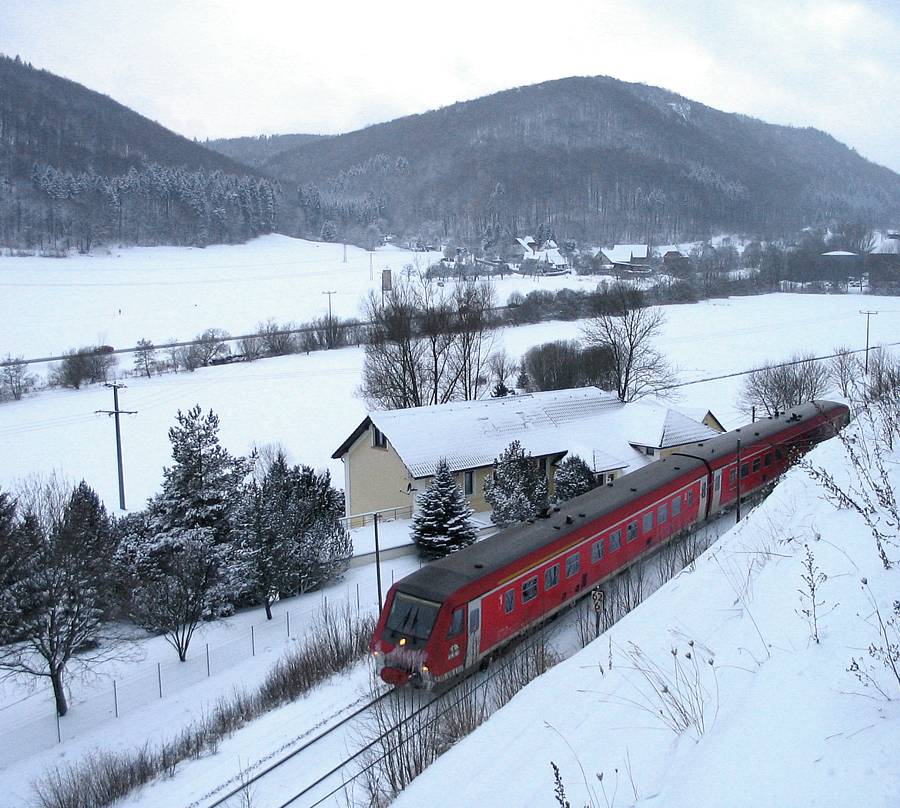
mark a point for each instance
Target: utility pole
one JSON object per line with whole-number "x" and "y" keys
{"x": 116, "y": 412}
{"x": 330, "y": 333}
{"x": 345, "y": 254}
{"x": 868, "y": 317}
{"x": 371, "y": 268}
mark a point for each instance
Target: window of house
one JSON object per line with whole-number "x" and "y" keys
{"x": 757, "y": 463}
{"x": 457, "y": 621}
{"x": 551, "y": 576}
{"x": 596, "y": 551}
{"x": 529, "y": 589}
{"x": 676, "y": 506}
{"x": 600, "y": 478}
{"x": 662, "y": 514}
{"x": 509, "y": 600}
{"x": 767, "y": 461}
{"x": 378, "y": 439}
{"x": 469, "y": 482}
{"x": 631, "y": 531}
{"x": 573, "y": 564}
{"x": 615, "y": 540}
{"x": 745, "y": 470}
{"x": 650, "y": 450}
{"x": 647, "y": 522}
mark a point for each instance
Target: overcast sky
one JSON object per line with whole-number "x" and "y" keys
{"x": 221, "y": 68}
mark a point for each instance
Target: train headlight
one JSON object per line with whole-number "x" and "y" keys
{"x": 402, "y": 641}
{"x": 424, "y": 669}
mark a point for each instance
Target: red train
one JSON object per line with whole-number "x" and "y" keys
{"x": 448, "y": 616}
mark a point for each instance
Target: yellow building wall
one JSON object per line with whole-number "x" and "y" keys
{"x": 374, "y": 477}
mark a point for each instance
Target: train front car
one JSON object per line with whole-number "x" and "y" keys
{"x": 401, "y": 641}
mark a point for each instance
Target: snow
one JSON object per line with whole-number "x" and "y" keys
{"x": 786, "y": 723}
{"x": 309, "y": 405}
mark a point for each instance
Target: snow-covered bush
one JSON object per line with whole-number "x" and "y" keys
{"x": 573, "y": 478}
{"x": 442, "y": 522}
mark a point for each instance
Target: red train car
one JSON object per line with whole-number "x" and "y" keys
{"x": 445, "y": 618}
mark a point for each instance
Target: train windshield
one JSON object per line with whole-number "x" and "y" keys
{"x": 412, "y": 616}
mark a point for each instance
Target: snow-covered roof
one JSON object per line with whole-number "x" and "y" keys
{"x": 585, "y": 421}
{"x": 552, "y": 256}
{"x": 840, "y": 252}
{"x": 625, "y": 253}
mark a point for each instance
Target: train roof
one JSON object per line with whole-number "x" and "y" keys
{"x": 440, "y": 579}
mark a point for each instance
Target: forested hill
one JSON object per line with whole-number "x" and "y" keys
{"x": 598, "y": 158}
{"x": 77, "y": 167}
{"x": 255, "y": 151}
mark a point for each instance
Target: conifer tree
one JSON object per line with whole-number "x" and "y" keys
{"x": 442, "y": 522}
{"x": 515, "y": 489}
{"x": 573, "y": 478}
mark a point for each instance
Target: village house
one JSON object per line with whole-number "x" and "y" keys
{"x": 625, "y": 257}
{"x": 391, "y": 455}
{"x": 548, "y": 256}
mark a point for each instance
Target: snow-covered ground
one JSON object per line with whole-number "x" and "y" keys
{"x": 164, "y": 294}
{"x": 308, "y": 403}
{"x": 784, "y": 722}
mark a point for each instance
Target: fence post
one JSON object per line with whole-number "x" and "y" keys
{"x": 159, "y": 677}
{"x": 357, "y": 598}
{"x": 252, "y": 641}
{"x": 288, "y": 616}
{"x": 207, "y": 659}
{"x": 58, "y": 731}
{"x": 115, "y": 698}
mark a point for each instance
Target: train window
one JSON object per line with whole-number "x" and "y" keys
{"x": 456, "y": 622}
{"x": 779, "y": 455}
{"x": 647, "y": 523}
{"x": 596, "y": 551}
{"x": 745, "y": 470}
{"x": 703, "y": 489}
{"x": 573, "y": 564}
{"x": 662, "y": 514}
{"x": 615, "y": 540}
{"x": 768, "y": 459}
{"x": 631, "y": 531}
{"x": 529, "y": 589}
{"x": 551, "y": 576}
{"x": 509, "y": 600}
{"x": 690, "y": 498}
{"x": 732, "y": 476}
{"x": 757, "y": 463}
{"x": 469, "y": 482}
{"x": 717, "y": 481}
{"x": 412, "y": 616}
{"x": 676, "y": 506}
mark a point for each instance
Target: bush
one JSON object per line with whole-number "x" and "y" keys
{"x": 86, "y": 365}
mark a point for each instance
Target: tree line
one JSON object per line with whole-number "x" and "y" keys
{"x": 222, "y": 532}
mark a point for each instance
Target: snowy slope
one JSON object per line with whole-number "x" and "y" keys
{"x": 785, "y": 723}
{"x": 308, "y": 403}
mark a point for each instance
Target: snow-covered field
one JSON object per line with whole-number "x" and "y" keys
{"x": 308, "y": 403}
{"x": 781, "y": 699}
{"x": 165, "y": 294}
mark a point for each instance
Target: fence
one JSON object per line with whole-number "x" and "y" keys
{"x": 22, "y": 734}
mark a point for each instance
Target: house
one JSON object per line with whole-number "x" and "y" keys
{"x": 547, "y": 255}
{"x": 626, "y": 257}
{"x": 392, "y": 455}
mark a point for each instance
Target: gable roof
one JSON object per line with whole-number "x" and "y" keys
{"x": 585, "y": 421}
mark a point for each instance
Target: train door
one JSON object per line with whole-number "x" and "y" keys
{"x": 473, "y": 643}
{"x": 716, "y": 492}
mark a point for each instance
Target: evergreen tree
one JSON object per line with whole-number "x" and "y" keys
{"x": 145, "y": 358}
{"x": 515, "y": 489}
{"x": 328, "y": 232}
{"x": 200, "y": 490}
{"x": 573, "y": 478}
{"x": 55, "y": 585}
{"x": 442, "y": 520}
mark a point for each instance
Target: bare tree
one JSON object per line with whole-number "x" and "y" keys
{"x": 778, "y": 387}
{"x": 844, "y": 369}
{"x": 627, "y": 334}
{"x": 211, "y": 344}
{"x": 15, "y": 380}
{"x": 474, "y": 337}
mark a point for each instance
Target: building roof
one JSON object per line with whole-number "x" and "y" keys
{"x": 585, "y": 421}
{"x": 841, "y": 252}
